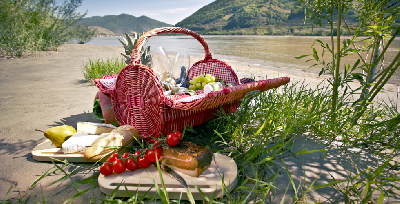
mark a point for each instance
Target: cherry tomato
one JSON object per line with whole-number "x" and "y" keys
{"x": 131, "y": 165}
{"x": 172, "y": 139}
{"x": 106, "y": 169}
{"x": 137, "y": 153}
{"x": 151, "y": 154}
{"x": 179, "y": 134}
{"x": 156, "y": 142}
{"x": 118, "y": 166}
{"x": 125, "y": 155}
{"x": 113, "y": 157}
{"x": 143, "y": 162}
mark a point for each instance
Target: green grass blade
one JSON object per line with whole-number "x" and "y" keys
{"x": 328, "y": 184}
{"x": 8, "y": 192}
{"x": 76, "y": 195}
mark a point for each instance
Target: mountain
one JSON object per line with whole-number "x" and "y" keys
{"x": 101, "y": 30}
{"x": 123, "y": 23}
{"x": 223, "y": 15}
{"x": 231, "y": 14}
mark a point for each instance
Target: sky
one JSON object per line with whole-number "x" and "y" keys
{"x": 167, "y": 11}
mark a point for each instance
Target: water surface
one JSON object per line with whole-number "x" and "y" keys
{"x": 272, "y": 52}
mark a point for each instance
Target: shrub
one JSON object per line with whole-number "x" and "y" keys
{"x": 28, "y": 25}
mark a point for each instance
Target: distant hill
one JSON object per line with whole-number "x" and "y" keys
{"x": 123, "y": 23}
{"x": 222, "y": 15}
{"x": 101, "y": 31}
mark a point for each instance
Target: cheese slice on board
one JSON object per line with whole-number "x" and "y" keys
{"x": 94, "y": 128}
{"x": 78, "y": 142}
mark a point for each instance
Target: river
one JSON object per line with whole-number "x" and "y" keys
{"x": 270, "y": 52}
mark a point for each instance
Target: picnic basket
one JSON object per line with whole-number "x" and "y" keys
{"x": 138, "y": 99}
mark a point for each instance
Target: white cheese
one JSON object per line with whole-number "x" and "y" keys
{"x": 94, "y": 128}
{"x": 78, "y": 142}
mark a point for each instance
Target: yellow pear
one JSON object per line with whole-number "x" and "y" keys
{"x": 59, "y": 134}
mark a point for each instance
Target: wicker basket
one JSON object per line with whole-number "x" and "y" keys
{"x": 139, "y": 100}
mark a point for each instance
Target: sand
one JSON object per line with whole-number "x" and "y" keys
{"x": 49, "y": 90}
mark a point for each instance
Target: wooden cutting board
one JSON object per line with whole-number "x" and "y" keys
{"x": 46, "y": 151}
{"x": 209, "y": 181}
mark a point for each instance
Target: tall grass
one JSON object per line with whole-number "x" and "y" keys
{"x": 96, "y": 68}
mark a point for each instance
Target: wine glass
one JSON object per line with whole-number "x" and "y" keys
{"x": 179, "y": 66}
{"x": 160, "y": 60}
{"x": 161, "y": 64}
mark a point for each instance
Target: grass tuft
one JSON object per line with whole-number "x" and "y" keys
{"x": 96, "y": 68}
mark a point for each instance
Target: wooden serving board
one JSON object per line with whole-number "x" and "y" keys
{"x": 141, "y": 181}
{"x": 46, "y": 151}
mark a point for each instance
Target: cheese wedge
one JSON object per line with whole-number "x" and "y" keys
{"x": 121, "y": 136}
{"x": 78, "y": 142}
{"x": 94, "y": 128}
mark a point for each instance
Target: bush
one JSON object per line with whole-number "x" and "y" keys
{"x": 28, "y": 26}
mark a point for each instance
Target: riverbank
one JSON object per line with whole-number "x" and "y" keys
{"x": 49, "y": 90}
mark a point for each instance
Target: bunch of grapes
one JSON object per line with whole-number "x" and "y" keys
{"x": 198, "y": 82}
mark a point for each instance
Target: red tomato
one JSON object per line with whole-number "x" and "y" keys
{"x": 125, "y": 155}
{"x": 143, "y": 162}
{"x": 131, "y": 165}
{"x": 156, "y": 142}
{"x": 137, "y": 153}
{"x": 179, "y": 134}
{"x": 172, "y": 139}
{"x": 118, "y": 166}
{"x": 151, "y": 154}
{"x": 106, "y": 169}
{"x": 113, "y": 157}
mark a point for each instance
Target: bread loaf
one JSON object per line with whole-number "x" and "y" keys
{"x": 186, "y": 157}
{"x": 121, "y": 136}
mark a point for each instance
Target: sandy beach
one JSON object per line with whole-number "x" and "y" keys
{"x": 49, "y": 90}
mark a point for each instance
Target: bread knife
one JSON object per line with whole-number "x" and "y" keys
{"x": 173, "y": 174}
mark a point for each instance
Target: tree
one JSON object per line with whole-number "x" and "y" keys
{"x": 271, "y": 29}
{"x": 84, "y": 34}
{"x": 30, "y": 25}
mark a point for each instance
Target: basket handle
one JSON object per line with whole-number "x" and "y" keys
{"x": 136, "y": 53}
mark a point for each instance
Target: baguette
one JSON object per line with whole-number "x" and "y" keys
{"x": 121, "y": 136}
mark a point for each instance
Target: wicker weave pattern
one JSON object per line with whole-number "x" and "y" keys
{"x": 175, "y": 119}
{"x": 219, "y": 69}
{"x": 139, "y": 100}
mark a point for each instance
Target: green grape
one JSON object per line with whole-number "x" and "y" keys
{"x": 203, "y": 84}
{"x": 208, "y": 75}
{"x": 201, "y": 78}
{"x": 207, "y": 80}
{"x": 196, "y": 79}
{"x": 213, "y": 78}
{"x": 192, "y": 81}
{"x": 192, "y": 87}
{"x": 198, "y": 85}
